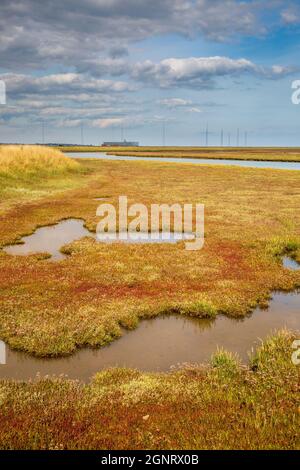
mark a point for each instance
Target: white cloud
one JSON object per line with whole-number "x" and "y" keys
{"x": 191, "y": 66}
{"x": 179, "y": 103}
{"x": 69, "y": 123}
{"x": 174, "y": 102}
{"x": 62, "y": 83}
{"x": 108, "y": 122}
{"x": 290, "y": 16}
{"x": 133, "y": 121}
{"x": 194, "y": 110}
{"x": 199, "y": 72}
{"x": 35, "y": 33}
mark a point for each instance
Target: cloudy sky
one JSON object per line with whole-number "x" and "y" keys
{"x": 106, "y": 69}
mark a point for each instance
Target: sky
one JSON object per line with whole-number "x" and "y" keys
{"x": 94, "y": 70}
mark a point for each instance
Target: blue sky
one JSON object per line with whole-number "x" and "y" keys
{"x": 130, "y": 67}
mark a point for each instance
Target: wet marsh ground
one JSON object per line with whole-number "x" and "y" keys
{"x": 225, "y": 406}
{"x": 278, "y": 154}
{"x": 165, "y": 343}
{"x": 51, "y": 308}
{"x": 252, "y": 218}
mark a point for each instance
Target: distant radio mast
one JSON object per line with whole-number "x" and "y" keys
{"x": 81, "y": 132}
{"x": 163, "y": 133}
{"x": 229, "y": 139}
{"x": 206, "y": 135}
{"x": 222, "y": 136}
{"x": 238, "y": 137}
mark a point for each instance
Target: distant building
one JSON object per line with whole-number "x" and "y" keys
{"x": 124, "y": 143}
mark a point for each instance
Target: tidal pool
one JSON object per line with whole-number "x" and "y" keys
{"x": 290, "y": 263}
{"x": 163, "y": 342}
{"x": 200, "y": 161}
{"x": 50, "y": 239}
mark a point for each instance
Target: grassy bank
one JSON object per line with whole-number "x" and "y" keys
{"x": 30, "y": 171}
{"x": 225, "y": 406}
{"x": 252, "y": 217}
{"x": 26, "y": 161}
{"x": 231, "y": 153}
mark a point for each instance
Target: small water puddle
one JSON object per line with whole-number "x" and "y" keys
{"x": 50, "y": 239}
{"x": 290, "y": 263}
{"x": 160, "y": 343}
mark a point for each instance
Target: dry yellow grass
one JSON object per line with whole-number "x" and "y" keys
{"x": 30, "y": 172}
{"x": 21, "y": 160}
